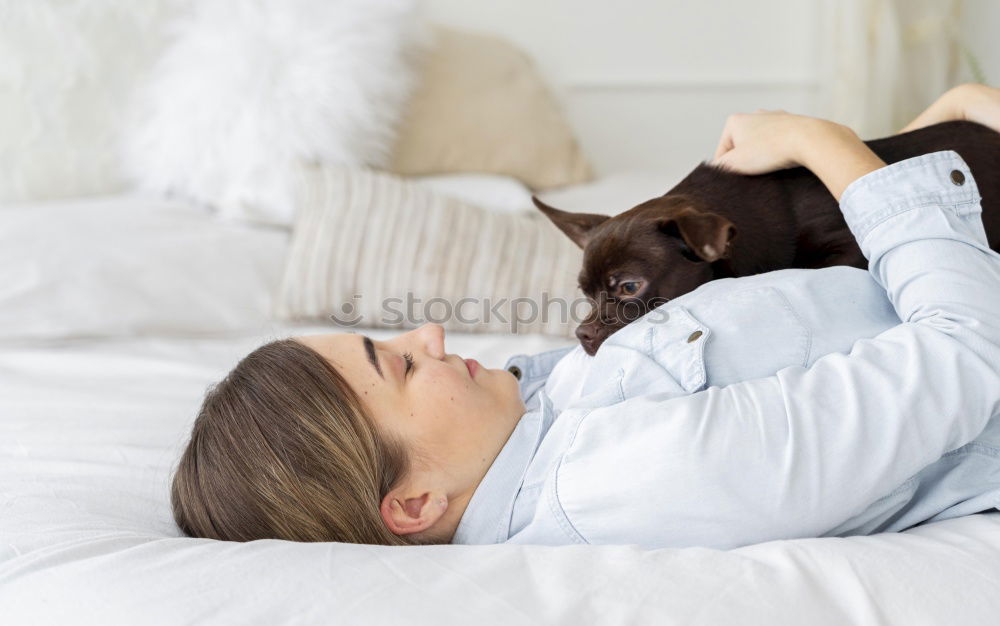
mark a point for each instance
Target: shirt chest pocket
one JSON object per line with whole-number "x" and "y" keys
{"x": 661, "y": 353}
{"x": 754, "y": 333}
{"x": 678, "y": 350}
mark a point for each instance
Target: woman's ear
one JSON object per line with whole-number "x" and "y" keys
{"x": 405, "y": 515}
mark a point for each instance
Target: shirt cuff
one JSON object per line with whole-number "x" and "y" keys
{"x": 940, "y": 178}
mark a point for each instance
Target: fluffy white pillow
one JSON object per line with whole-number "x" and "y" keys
{"x": 66, "y": 69}
{"x": 245, "y": 90}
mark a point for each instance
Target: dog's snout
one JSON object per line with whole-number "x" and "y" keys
{"x": 590, "y": 338}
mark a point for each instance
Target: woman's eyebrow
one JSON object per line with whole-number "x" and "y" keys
{"x": 372, "y": 358}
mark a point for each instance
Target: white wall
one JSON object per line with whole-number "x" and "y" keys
{"x": 981, "y": 35}
{"x": 648, "y": 83}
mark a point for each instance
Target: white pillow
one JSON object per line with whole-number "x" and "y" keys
{"x": 247, "y": 89}
{"x": 490, "y": 191}
{"x": 132, "y": 266}
{"x": 612, "y": 194}
{"x": 65, "y": 71}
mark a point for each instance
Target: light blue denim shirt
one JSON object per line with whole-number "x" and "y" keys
{"x": 789, "y": 404}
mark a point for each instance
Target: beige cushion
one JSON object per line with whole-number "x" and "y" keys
{"x": 481, "y": 106}
{"x": 362, "y": 238}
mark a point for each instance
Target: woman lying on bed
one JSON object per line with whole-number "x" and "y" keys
{"x": 340, "y": 438}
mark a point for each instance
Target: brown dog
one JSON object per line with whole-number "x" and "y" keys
{"x": 716, "y": 223}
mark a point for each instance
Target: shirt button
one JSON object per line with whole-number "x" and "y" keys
{"x": 515, "y": 370}
{"x": 957, "y": 177}
{"x": 694, "y": 336}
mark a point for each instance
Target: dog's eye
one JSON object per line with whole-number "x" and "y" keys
{"x": 629, "y": 288}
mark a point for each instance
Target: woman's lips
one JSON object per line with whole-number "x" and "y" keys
{"x": 473, "y": 366}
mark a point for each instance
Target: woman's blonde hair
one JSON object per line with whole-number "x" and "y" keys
{"x": 283, "y": 448}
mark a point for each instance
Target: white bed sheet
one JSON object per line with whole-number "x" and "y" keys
{"x": 90, "y": 431}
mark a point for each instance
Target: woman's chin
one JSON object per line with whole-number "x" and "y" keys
{"x": 511, "y": 390}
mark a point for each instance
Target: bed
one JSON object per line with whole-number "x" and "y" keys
{"x": 99, "y": 382}
{"x": 118, "y": 311}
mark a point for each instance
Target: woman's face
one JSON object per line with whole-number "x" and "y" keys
{"x": 452, "y": 415}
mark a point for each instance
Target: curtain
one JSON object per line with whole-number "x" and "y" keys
{"x": 884, "y": 61}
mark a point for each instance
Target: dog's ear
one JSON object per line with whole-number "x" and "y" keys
{"x": 577, "y": 226}
{"x": 707, "y": 234}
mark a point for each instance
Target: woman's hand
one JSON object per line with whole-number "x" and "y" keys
{"x": 971, "y": 102}
{"x": 765, "y": 141}
{"x": 761, "y": 142}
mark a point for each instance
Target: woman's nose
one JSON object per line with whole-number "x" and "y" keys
{"x": 432, "y": 336}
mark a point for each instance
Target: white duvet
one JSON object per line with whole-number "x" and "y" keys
{"x": 90, "y": 430}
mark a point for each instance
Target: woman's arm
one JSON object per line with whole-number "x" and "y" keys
{"x": 765, "y": 141}
{"x": 822, "y": 444}
{"x": 770, "y": 140}
{"x": 971, "y": 102}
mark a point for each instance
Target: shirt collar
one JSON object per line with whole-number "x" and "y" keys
{"x": 487, "y": 517}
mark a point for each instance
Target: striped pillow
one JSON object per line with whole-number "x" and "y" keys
{"x": 372, "y": 249}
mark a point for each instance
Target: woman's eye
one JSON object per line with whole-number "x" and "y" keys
{"x": 409, "y": 362}
{"x": 629, "y": 288}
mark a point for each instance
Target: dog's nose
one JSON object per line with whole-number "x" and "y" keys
{"x": 588, "y": 339}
